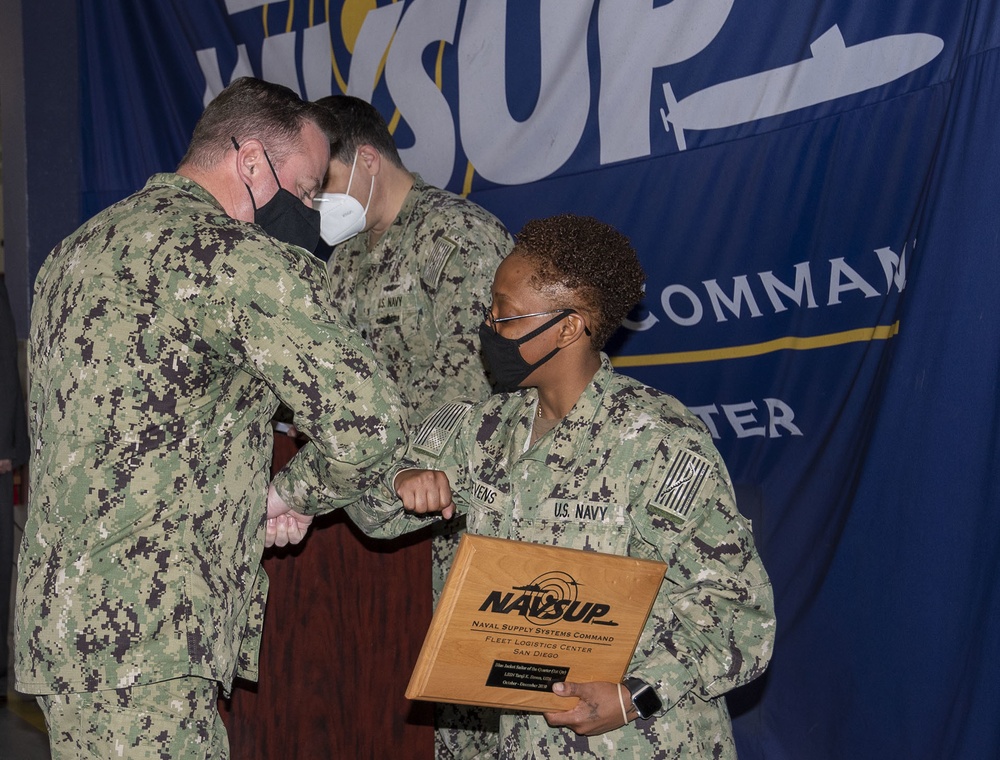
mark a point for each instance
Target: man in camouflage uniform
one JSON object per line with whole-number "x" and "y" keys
{"x": 414, "y": 281}
{"x": 164, "y": 333}
{"x": 586, "y": 458}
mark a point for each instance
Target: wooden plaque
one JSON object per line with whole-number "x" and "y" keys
{"x": 516, "y": 617}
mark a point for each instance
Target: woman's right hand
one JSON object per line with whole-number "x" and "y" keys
{"x": 424, "y": 492}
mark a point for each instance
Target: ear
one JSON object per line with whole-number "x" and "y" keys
{"x": 574, "y": 328}
{"x": 371, "y": 158}
{"x": 251, "y": 164}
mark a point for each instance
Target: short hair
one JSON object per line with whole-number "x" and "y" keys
{"x": 252, "y": 108}
{"x": 356, "y": 122}
{"x": 589, "y": 258}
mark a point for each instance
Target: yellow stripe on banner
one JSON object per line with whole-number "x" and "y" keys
{"x": 438, "y": 66}
{"x": 396, "y": 115}
{"x": 341, "y": 82}
{"x": 378, "y": 75}
{"x": 291, "y": 15}
{"x": 790, "y": 343}
{"x": 336, "y": 73}
{"x": 470, "y": 172}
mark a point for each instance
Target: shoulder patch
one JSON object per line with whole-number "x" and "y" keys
{"x": 444, "y": 247}
{"x": 682, "y": 486}
{"x": 439, "y": 428}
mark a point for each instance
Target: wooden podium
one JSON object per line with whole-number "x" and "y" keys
{"x": 344, "y": 622}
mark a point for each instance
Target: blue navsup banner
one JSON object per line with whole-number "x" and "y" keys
{"x": 813, "y": 190}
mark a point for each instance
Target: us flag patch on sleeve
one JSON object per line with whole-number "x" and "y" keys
{"x": 439, "y": 428}
{"x": 682, "y": 486}
{"x": 443, "y": 248}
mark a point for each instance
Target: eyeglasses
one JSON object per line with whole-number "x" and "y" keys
{"x": 493, "y": 321}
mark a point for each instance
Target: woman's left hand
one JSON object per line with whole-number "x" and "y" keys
{"x": 598, "y": 711}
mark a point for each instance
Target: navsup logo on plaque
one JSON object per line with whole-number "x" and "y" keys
{"x": 549, "y": 598}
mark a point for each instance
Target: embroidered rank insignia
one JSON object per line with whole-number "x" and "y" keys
{"x": 439, "y": 428}
{"x": 679, "y": 491}
{"x": 443, "y": 248}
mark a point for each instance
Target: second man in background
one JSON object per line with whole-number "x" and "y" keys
{"x": 411, "y": 265}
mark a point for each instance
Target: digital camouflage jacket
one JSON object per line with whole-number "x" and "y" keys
{"x": 417, "y": 296}
{"x": 164, "y": 333}
{"x": 628, "y": 471}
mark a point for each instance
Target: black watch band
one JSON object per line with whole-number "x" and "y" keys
{"x": 644, "y": 697}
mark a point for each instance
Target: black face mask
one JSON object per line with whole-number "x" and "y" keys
{"x": 287, "y": 218}
{"x": 507, "y": 367}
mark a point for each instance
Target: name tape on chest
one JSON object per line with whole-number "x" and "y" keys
{"x": 683, "y": 486}
{"x": 438, "y": 429}
{"x": 390, "y": 306}
{"x": 484, "y": 494}
{"x": 566, "y": 510}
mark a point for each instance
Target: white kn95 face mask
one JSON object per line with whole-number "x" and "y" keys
{"x": 341, "y": 214}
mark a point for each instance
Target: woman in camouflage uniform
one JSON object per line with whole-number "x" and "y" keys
{"x": 641, "y": 477}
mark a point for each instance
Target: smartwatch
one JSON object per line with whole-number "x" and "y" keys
{"x": 644, "y": 697}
